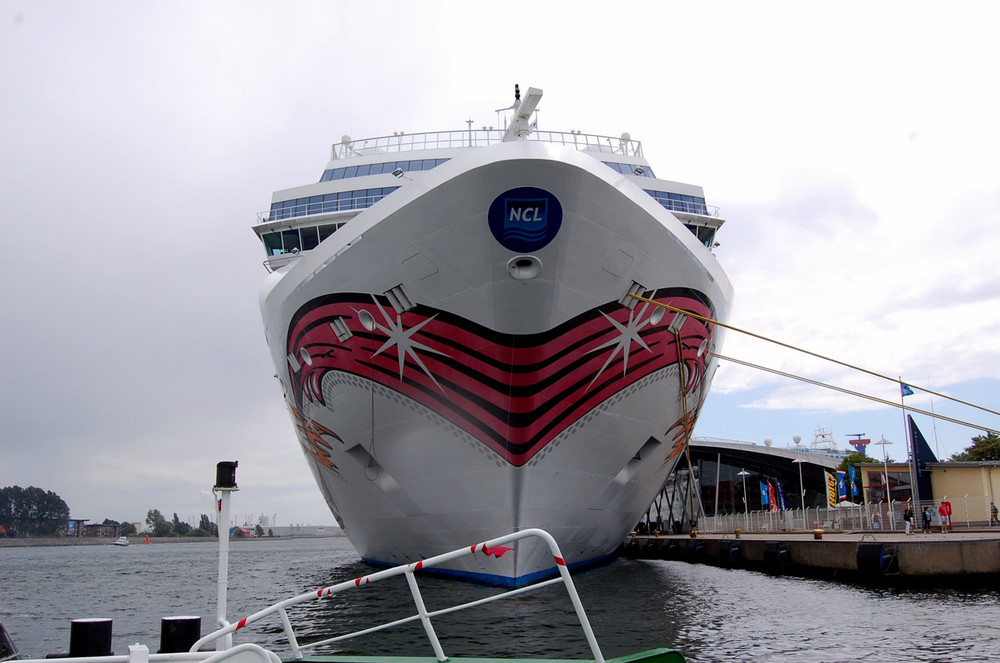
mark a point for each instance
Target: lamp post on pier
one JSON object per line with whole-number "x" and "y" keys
{"x": 802, "y": 491}
{"x": 888, "y": 490}
{"x": 746, "y": 507}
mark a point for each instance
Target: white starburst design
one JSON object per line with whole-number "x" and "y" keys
{"x": 403, "y": 341}
{"x": 626, "y": 336}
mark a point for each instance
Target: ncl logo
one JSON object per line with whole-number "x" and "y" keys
{"x": 525, "y": 219}
{"x": 521, "y": 212}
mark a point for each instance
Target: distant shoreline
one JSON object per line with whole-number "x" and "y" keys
{"x": 141, "y": 540}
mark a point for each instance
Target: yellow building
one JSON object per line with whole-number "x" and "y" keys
{"x": 970, "y": 487}
{"x": 976, "y": 484}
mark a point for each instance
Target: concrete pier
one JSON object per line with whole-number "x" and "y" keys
{"x": 883, "y": 557}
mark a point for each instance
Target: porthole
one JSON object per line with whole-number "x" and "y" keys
{"x": 524, "y": 268}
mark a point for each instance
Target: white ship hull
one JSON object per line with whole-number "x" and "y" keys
{"x": 516, "y": 388}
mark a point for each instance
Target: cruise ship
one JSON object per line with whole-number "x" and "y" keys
{"x": 471, "y": 333}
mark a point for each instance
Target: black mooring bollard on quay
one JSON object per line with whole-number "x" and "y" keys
{"x": 177, "y": 634}
{"x": 90, "y": 637}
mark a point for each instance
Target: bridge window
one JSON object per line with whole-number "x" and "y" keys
{"x": 679, "y": 202}
{"x": 330, "y": 202}
{"x": 630, "y": 169}
{"x": 705, "y": 234}
{"x": 290, "y": 240}
{"x": 379, "y": 168}
{"x": 309, "y": 237}
{"x": 305, "y": 238}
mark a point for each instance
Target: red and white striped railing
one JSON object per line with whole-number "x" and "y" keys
{"x": 493, "y": 547}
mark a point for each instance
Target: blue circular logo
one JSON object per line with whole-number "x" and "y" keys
{"x": 525, "y": 219}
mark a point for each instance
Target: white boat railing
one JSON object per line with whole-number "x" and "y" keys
{"x": 441, "y": 140}
{"x": 494, "y": 547}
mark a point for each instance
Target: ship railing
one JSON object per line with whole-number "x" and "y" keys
{"x": 355, "y": 203}
{"x": 494, "y": 547}
{"x": 439, "y": 140}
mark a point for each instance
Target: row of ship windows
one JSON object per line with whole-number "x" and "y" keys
{"x": 426, "y": 164}
{"x": 297, "y": 239}
{"x": 380, "y": 168}
{"x": 630, "y": 169}
{"x": 363, "y": 198}
{"x": 309, "y": 237}
{"x": 679, "y": 202}
{"x": 330, "y": 202}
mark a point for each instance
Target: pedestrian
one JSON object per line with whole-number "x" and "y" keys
{"x": 993, "y": 514}
{"x": 927, "y": 519}
{"x": 945, "y": 518}
{"x": 908, "y": 517}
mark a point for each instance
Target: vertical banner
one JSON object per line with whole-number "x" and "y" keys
{"x": 831, "y": 489}
{"x": 763, "y": 494}
{"x": 772, "y": 497}
{"x": 841, "y": 485}
{"x": 781, "y": 497}
{"x": 854, "y": 480}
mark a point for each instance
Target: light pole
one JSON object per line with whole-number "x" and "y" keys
{"x": 888, "y": 491}
{"x": 225, "y": 485}
{"x": 746, "y": 507}
{"x": 802, "y": 491}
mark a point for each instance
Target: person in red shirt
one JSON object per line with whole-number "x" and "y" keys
{"x": 945, "y": 512}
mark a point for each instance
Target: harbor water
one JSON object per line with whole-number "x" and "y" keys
{"x": 707, "y": 613}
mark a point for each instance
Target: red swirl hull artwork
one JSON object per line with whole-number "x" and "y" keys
{"x": 512, "y": 393}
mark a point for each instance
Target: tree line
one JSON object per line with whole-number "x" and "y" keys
{"x": 34, "y": 512}
{"x": 31, "y": 511}
{"x": 157, "y": 525}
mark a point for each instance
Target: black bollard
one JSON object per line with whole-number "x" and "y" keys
{"x": 90, "y": 637}
{"x": 177, "y": 634}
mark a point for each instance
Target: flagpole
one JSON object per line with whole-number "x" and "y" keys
{"x": 911, "y": 459}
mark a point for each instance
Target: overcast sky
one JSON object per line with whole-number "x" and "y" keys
{"x": 851, "y": 146}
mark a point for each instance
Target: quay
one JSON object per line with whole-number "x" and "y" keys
{"x": 881, "y": 557}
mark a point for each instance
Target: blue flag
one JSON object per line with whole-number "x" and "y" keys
{"x": 781, "y": 496}
{"x": 854, "y": 475}
{"x": 905, "y": 390}
{"x": 841, "y": 485}
{"x": 764, "y": 499}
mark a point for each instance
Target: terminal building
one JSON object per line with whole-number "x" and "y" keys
{"x": 734, "y": 477}
{"x": 731, "y": 476}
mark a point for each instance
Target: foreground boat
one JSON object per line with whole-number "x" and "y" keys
{"x": 477, "y": 331}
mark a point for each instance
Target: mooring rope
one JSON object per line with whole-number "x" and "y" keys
{"x": 895, "y": 380}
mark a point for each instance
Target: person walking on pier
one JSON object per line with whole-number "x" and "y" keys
{"x": 908, "y": 517}
{"x": 993, "y": 514}
{"x": 927, "y": 519}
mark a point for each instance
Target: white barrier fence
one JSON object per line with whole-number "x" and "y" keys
{"x": 868, "y": 517}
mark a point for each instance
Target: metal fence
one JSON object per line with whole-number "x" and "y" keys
{"x": 868, "y": 517}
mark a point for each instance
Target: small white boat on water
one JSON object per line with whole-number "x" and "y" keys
{"x": 121, "y": 541}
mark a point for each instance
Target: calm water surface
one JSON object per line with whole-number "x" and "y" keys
{"x": 709, "y": 614}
